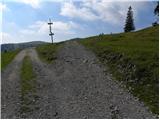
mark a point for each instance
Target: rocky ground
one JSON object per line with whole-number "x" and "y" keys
{"x": 74, "y": 86}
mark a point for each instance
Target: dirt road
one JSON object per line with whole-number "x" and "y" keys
{"x": 74, "y": 86}
{"x": 10, "y": 87}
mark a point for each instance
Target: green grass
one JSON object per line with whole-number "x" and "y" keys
{"x": 133, "y": 58}
{"x": 47, "y": 52}
{"x": 27, "y": 75}
{"x": 7, "y": 57}
{"x": 28, "y": 85}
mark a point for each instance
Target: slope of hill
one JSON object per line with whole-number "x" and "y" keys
{"x": 133, "y": 59}
{"x": 76, "y": 85}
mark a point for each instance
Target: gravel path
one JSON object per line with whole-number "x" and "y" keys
{"x": 10, "y": 87}
{"x": 74, "y": 86}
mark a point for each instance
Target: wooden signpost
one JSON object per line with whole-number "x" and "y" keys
{"x": 50, "y": 30}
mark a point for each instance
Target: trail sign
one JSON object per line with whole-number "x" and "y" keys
{"x": 50, "y": 30}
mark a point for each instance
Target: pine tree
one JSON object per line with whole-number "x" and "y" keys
{"x": 156, "y": 10}
{"x": 129, "y": 25}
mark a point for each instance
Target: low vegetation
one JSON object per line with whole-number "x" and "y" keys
{"x": 7, "y": 57}
{"x": 28, "y": 85}
{"x": 47, "y": 52}
{"x": 133, "y": 59}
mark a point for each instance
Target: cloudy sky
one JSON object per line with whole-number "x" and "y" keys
{"x": 26, "y": 20}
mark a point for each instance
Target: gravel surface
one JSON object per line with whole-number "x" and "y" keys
{"x": 74, "y": 86}
{"x": 10, "y": 88}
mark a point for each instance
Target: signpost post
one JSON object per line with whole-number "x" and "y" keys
{"x": 50, "y": 30}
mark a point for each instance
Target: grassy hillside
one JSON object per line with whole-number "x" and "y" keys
{"x": 47, "y": 52}
{"x": 133, "y": 59}
{"x": 7, "y": 57}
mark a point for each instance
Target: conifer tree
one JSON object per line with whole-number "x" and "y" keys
{"x": 156, "y": 10}
{"x": 129, "y": 25}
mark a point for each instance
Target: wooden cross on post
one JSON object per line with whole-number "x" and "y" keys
{"x": 50, "y": 30}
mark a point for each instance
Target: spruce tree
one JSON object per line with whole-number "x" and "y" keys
{"x": 129, "y": 25}
{"x": 156, "y": 10}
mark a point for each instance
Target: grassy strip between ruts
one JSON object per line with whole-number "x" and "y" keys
{"x": 28, "y": 86}
{"x": 47, "y": 52}
{"x": 133, "y": 59}
{"x": 7, "y": 57}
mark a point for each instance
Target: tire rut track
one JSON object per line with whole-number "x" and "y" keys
{"x": 10, "y": 88}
